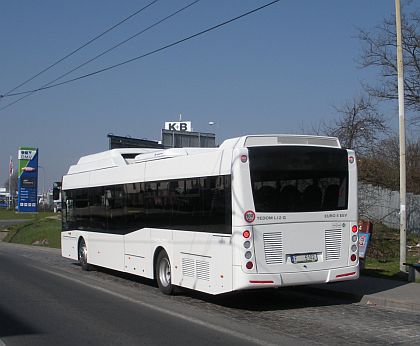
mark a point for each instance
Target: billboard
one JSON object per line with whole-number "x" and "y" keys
{"x": 27, "y": 179}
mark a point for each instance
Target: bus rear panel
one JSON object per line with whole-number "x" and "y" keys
{"x": 299, "y": 222}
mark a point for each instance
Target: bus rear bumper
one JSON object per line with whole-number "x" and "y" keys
{"x": 253, "y": 281}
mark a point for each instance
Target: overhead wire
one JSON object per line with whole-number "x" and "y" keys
{"x": 27, "y": 94}
{"x": 80, "y": 48}
{"x": 124, "y": 41}
{"x": 143, "y": 55}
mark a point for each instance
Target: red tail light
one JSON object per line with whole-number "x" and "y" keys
{"x": 246, "y": 234}
{"x": 353, "y": 258}
{"x": 354, "y": 229}
{"x": 249, "y": 265}
{"x": 344, "y": 275}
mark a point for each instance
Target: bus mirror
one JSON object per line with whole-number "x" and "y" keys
{"x": 56, "y": 193}
{"x": 56, "y": 190}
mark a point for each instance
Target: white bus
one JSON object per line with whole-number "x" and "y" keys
{"x": 259, "y": 211}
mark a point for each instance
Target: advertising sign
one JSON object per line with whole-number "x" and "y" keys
{"x": 363, "y": 243}
{"x": 28, "y": 179}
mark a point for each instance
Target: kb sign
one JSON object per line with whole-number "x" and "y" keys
{"x": 182, "y": 126}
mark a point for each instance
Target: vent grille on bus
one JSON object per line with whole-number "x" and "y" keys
{"x": 332, "y": 244}
{"x": 188, "y": 268}
{"x": 196, "y": 269}
{"x": 203, "y": 270}
{"x": 273, "y": 248}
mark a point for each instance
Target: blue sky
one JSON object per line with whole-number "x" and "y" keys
{"x": 277, "y": 70}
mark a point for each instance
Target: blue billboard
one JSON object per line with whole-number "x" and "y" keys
{"x": 28, "y": 180}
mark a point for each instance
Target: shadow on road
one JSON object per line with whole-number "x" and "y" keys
{"x": 251, "y": 300}
{"x": 284, "y": 298}
{"x": 11, "y": 325}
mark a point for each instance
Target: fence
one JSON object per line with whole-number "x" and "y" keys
{"x": 383, "y": 205}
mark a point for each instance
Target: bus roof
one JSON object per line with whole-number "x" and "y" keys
{"x": 128, "y": 156}
{"x": 285, "y": 139}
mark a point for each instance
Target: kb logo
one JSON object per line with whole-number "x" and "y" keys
{"x": 182, "y": 126}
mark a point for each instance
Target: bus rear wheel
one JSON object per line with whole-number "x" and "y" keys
{"x": 163, "y": 273}
{"x": 83, "y": 255}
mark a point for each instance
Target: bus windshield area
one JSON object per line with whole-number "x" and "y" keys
{"x": 298, "y": 178}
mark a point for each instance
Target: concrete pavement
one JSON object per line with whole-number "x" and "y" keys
{"x": 377, "y": 291}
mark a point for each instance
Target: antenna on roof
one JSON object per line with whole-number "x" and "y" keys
{"x": 180, "y": 117}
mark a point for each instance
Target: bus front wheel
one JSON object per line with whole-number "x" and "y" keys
{"x": 163, "y": 273}
{"x": 83, "y": 255}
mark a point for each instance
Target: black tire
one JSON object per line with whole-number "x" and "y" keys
{"x": 83, "y": 255}
{"x": 163, "y": 273}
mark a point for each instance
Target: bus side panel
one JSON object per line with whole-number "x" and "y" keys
{"x": 202, "y": 261}
{"x": 185, "y": 166}
{"x": 141, "y": 247}
{"x": 80, "y": 180}
{"x": 138, "y": 253}
{"x": 106, "y": 250}
{"x": 133, "y": 173}
{"x": 69, "y": 242}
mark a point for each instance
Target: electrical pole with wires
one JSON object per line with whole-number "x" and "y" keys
{"x": 10, "y": 183}
{"x": 400, "y": 70}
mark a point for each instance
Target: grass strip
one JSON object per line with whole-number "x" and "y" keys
{"x": 42, "y": 232}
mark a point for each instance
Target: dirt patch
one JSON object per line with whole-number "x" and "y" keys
{"x": 3, "y": 234}
{"x": 55, "y": 217}
{"x": 43, "y": 242}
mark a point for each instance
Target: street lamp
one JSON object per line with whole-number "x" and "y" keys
{"x": 213, "y": 123}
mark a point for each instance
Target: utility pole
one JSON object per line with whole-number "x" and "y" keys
{"x": 403, "y": 211}
{"x": 10, "y": 184}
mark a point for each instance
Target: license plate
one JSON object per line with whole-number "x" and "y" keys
{"x": 305, "y": 258}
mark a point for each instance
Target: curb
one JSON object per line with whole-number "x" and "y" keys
{"x": 391, "y": 303}
{"x": 380, "y": 299}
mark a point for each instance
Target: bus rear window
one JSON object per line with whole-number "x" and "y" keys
{"x": 298, "y": 178}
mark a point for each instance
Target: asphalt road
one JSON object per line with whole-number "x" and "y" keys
{"x": 7, "y": 223}
{"x": 48, "y": 300}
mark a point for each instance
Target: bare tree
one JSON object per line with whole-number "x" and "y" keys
{"x": 358, "y": 126}
{"x": 413, "y": 165}
{"x": 379, "y": 51}
{"x": 380, "y": 167}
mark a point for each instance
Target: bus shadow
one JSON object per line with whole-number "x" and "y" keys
{"x": 284, "y": 298}
{"x": 121, "y": 275}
